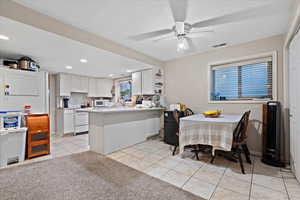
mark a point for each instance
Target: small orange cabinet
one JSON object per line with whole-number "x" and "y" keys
{"x": 38, "y": 135}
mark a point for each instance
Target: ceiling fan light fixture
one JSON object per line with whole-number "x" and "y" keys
{"x": 182, "y": 45}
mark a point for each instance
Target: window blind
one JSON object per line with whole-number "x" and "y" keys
{"x": 244, "y": 80}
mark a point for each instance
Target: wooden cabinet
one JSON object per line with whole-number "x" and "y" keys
{"x": 136, "y": 83}
{"x": 147, "y": 82}
{"x": 64, "y": 84}
{"x": 38, "y": 136}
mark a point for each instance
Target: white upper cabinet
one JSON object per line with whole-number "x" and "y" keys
{"x": 104, "y": 87}
{"x": 92, "y": 87}
{"x": 64, "y": 84}
{"x": 84, "y": 84}
{"x": 21, "y": 83}
{"x": 136, "y": 83}
{"x": 148, "y": 82}
{"x": 80, "y": 84}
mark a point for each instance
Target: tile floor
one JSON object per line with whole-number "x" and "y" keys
{"x": 62, "y": 146}
{"x": 219, "y": 181}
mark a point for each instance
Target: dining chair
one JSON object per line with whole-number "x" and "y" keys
{"x": 239, "y": 144}
{"x": 177, "y": 115}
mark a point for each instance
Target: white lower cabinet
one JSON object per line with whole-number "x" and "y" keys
{"x": 153, "y": 126}
{"x": 64, "y": 121}
{"x": 68, "y": 122}
{"x": 71, "y": 121}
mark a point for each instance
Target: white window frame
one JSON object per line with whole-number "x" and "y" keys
{"x": 272, "y": 54}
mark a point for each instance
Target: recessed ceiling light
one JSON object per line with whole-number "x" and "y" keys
{"x": 128, "y": 70}
{"x": 69, "y": 67}
{"x": 3, "y": 37}
{"x": 111, "y": 75}
{"x": 83, "y": 60}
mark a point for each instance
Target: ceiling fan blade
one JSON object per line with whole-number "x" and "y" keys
{"x": 197, "y": 34}
{"x": 153, "y": 34}
{"x": 179, "y": 9}
{"x": 165, "y": 38}
{"x": 259, "y": 12}
{"x": 192, "y": 46}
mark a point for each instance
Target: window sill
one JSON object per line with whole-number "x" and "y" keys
{"x": 240, "y": 102}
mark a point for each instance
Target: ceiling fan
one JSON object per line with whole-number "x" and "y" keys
{"x": 183, "y": 31}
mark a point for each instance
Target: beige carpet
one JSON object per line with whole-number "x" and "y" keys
{"x": 84, "y": 176}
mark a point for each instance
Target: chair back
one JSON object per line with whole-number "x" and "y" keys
{"x": 240, "y": 132}
{"x": 188, "y": 112}
{"x": 176, "y": 115}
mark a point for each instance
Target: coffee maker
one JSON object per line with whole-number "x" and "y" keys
{"x": 66, "y": 102}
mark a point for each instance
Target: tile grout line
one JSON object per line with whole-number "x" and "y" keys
{"x": 217, "y": 185}
{"x": 285, "y": 186}
{"x": 191, "y": 177}
{"x": 252, "y": 171}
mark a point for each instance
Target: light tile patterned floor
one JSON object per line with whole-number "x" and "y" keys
{"x": 62, "y": 146}
{"x": 219, "y": 181}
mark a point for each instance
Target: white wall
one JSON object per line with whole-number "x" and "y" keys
{"x": 38, "y": 103}
{"x": 52, "y": 103}
{"x": 187, "y": 81}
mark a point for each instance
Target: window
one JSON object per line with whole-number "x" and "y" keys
{"x": 245, "y": 80}
{"x": 125, "y": 90}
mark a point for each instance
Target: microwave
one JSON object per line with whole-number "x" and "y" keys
{"x": 101, "y": 103}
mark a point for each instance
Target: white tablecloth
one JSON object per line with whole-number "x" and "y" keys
{"x": 217, "y": 132}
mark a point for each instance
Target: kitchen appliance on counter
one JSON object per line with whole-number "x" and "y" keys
{"x": 66, "y": 102}
{"x": 147, "y": 104}
{"x": 102, "y": 103}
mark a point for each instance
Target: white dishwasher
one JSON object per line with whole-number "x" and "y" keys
{"x": 81, "y": 122}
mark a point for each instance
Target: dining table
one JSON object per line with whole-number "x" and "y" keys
{"x": 216, "y": 132}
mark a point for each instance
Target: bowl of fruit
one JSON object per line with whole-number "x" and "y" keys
{"x": 212, "y": 113}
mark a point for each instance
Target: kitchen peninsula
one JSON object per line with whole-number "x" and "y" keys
{"x": 112, "y": 129}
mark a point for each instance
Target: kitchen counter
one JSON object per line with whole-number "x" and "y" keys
{"x": 117, "y": 109}
{"x": 115, "y": 128}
